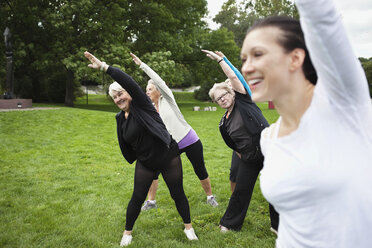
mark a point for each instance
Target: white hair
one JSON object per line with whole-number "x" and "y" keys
{"x": 221, "y": 86}
{"x": 153, "y": 83}
{"x": 115, "y": 87}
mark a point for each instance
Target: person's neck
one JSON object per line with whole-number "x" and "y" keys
{"x": 292, "y": 106}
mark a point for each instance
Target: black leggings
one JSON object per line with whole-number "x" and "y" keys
{"x": 194, "y": 153}
{"x": 172, "y": 174}
{"x": 239, "y": 202}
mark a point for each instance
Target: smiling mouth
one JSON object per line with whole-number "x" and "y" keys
{"x": 254, "y": 82}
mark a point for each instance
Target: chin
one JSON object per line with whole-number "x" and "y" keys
{"x": 256, "y": 97}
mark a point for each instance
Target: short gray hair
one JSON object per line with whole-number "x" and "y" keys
{"x": 115, "y": 87}
{"x": 153, "y": 83}
{"x": 220, "y": 86}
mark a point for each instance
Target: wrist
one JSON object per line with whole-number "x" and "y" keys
{"x": 220, "y": 60}
{"x": 103, "y": 65}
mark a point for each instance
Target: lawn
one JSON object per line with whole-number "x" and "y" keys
{"x": 64, "y": 182}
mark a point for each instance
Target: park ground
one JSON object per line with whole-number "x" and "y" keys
{"x": 64, "y": 182}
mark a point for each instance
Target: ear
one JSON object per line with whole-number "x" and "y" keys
{"x": 297, "y": 59}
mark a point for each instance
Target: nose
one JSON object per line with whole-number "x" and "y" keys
{"x": 247, "y": 68}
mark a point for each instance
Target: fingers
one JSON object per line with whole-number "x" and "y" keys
{"x": 133, "y": 56}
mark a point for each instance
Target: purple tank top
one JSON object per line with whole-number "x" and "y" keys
{"x": 190, "y": 138}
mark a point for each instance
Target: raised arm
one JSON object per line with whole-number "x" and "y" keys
{"x": 340, "y": 73}
{"x": 127, "y": 82}
{"x": 229, "y": 72}
{"x": 158, "y": 81}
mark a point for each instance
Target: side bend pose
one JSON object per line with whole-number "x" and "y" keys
{"x": 143, "y": 137}
{"x": 240, "y": 127}
{"x": 318, "y": 160}
{"x": 187, "y": 139}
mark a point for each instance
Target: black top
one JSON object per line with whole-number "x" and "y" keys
{"x": 253, "y": 122}
{"x": 142, "y": 110}
{"x": 236, "y": 130}
{"x": 150, "y": 150}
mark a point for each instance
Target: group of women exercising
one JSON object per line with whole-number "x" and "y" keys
{"x": 315, "y": 160}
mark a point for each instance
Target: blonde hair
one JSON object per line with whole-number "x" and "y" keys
{"x": 114, "y": 87}
{"x": 221, "y": 86}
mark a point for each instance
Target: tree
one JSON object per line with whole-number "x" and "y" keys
{"x": 367, "y": 66}
{"x": 211, "y": 72}
{"x": 238, "y": 17}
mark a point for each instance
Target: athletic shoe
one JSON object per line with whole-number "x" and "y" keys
{"x": 190, "y": 234}
{"x": 148, "y": 205}
{"x": 126, "y": 240}
{"x": 224, "y": 229}
{"x": 274, "y": 231}
{"x": 212, "y": 201}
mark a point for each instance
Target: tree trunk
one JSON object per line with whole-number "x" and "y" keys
{"x": 69, "y": 98}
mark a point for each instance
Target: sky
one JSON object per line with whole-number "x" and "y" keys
{"x": 357, "y": 16}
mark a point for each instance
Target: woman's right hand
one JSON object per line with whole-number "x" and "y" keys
{"x": 136, "y": 59}
{"x": 212, "y": 55}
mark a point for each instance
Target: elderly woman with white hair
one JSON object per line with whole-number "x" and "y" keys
{"x": 240, "y": 127}
{"x": 187, "y": 139}
{"x": 144, "y": 138}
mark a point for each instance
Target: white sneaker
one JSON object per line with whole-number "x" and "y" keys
{"x": 224, "y": 229}
{"x": 126, "y": 240}
{"x": 190, "y": 234}
{"x": 274, "y": 231}
{"x": 212, "y": 201}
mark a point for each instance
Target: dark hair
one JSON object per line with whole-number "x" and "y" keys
{"x": 292, "y": 37}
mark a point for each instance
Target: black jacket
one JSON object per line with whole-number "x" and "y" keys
{"x": 142, "y": 110}
{"x": 254, "y": 122}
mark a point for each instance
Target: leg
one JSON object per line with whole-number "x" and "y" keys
{"x": 274, "y": 218}
{"x": 172, "y": 174}
{"x": 235, "y": 160}
{"x": 194, "y": 153}
{"x": 241, "y": 197}
{"x": 142, "y": 181}
{"x": 153, "y": 189}
{"x": 151, "y": 202}
{"x": 232, "y": 186}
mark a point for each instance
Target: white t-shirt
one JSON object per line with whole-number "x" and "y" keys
{"x": 319, "y": 177}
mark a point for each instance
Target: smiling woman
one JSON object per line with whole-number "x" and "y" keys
{"x": 323, "y": 197}
{"x": 144, "y": 138}
{"x": 240, "y": 127}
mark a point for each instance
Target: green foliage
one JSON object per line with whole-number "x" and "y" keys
{"x": 66, "y": 184}
{"x": 239, "y": 16}
{"x": 367, "y": 66}
{"x": 216, "y": 40}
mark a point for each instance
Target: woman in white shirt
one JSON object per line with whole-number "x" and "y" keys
{"x": 187, "y": 139}
{"x": 318, "y": 161}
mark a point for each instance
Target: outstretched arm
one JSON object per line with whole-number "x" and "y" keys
{"x": 158, "y": 81}
{"x": 236, "y": 83}
{"x": 127, "y": 82}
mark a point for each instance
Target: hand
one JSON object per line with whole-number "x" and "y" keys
{"x": 136, "y": 59}
{"x": 95, "y": 63}
{"x": 215, "y": 56}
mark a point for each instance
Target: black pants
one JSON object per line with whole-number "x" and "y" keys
{"x": 194, "y": 153}
{"x": 241, "y": 197}
{"x": 172, "y": 174}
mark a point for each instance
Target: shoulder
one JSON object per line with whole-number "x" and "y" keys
{"x": 268, "y": 133}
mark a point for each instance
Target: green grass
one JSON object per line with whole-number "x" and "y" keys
{"x": 64, "y": 183}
